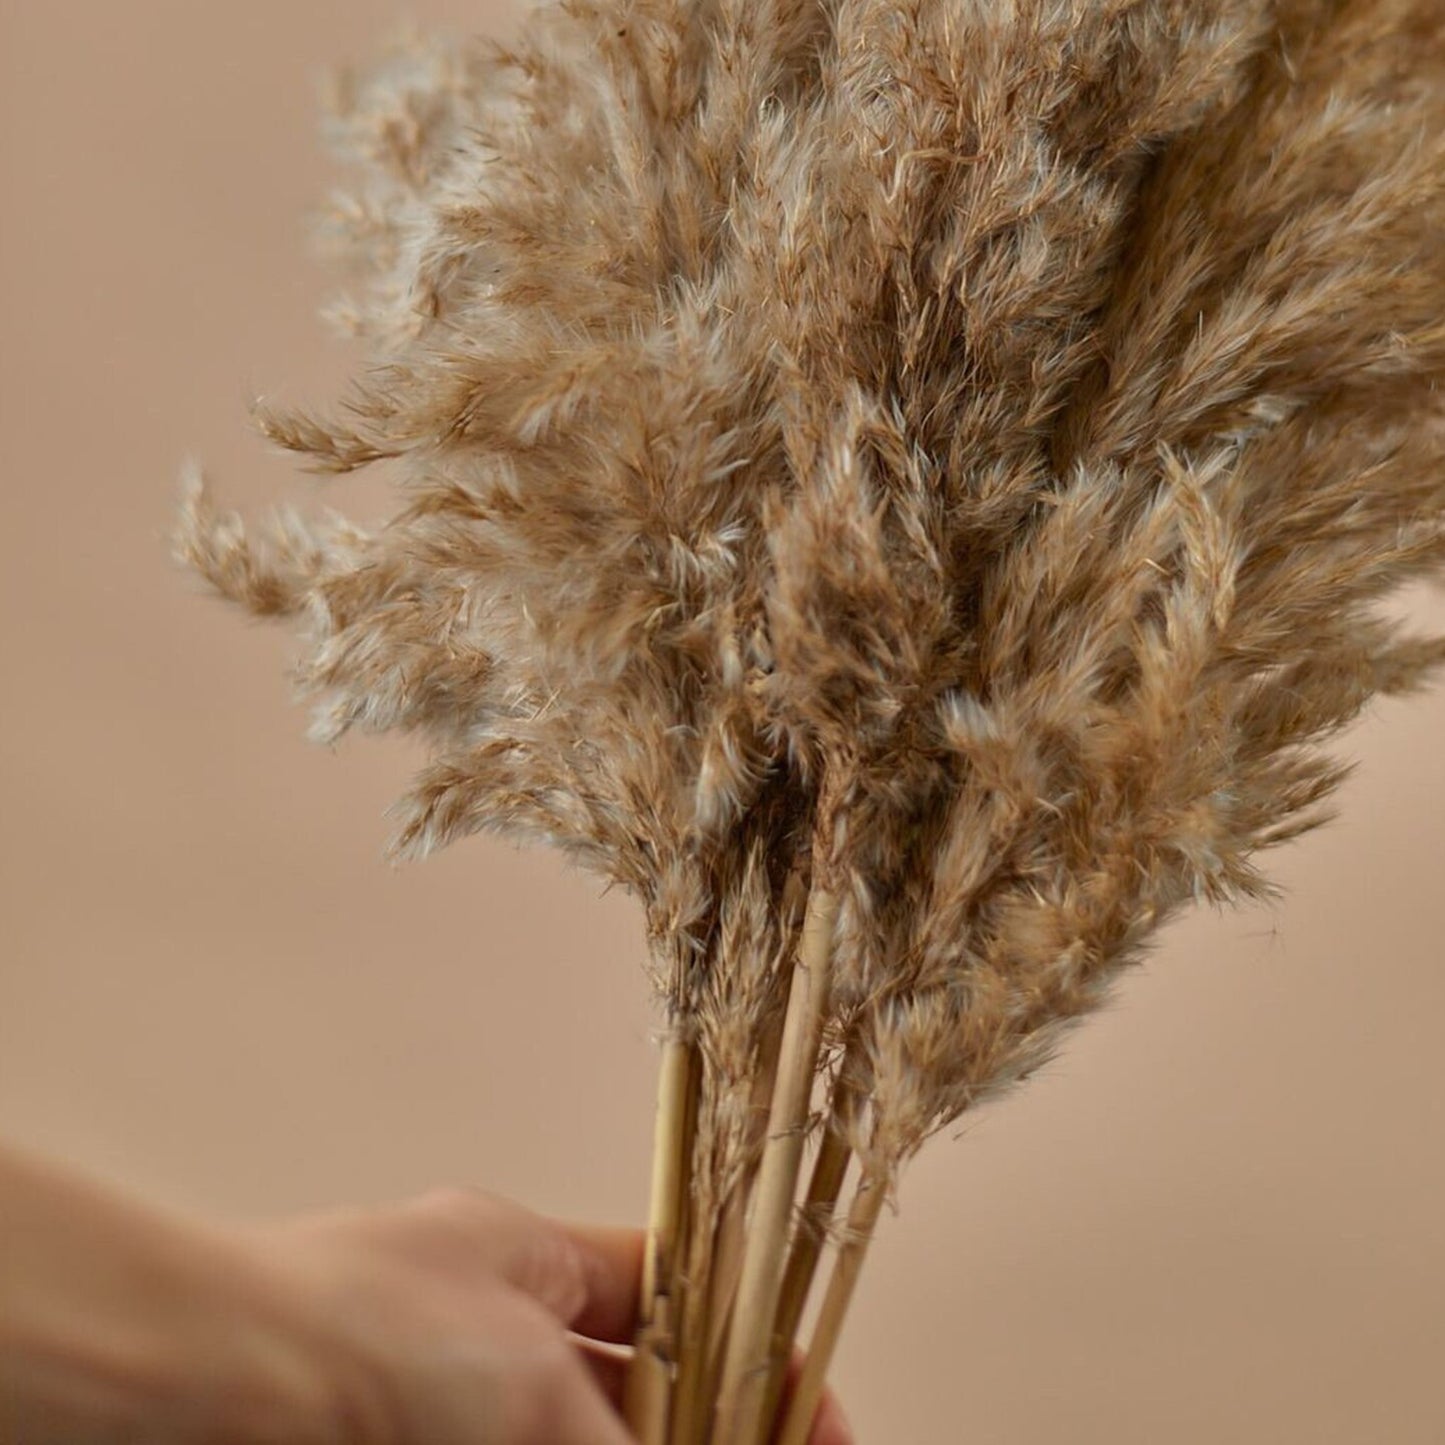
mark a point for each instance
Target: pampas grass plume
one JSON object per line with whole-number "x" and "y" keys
{"x": 906, "y": 490}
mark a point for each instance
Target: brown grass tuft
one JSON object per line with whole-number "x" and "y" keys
{"x": 949, "y": 457}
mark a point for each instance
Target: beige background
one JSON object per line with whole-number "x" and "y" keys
{"x": 1220, "y": 1217}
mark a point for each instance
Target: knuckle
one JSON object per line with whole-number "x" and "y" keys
{"x": 457, "y": 1201}
{"x": 460, "y": 1210}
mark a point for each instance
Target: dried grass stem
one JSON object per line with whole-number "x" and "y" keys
{"x": 858, "y": 1233}
{"x": 750, "y": 1346}
{"x": 647, "y": 1395}
{"x": 830, "y": 1168}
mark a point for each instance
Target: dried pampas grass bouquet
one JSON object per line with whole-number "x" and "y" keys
{"x": 905, "y": 489}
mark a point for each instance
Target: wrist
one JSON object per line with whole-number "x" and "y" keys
{"x": 121, "y": 1324}
{"x": 251, "y": 1370}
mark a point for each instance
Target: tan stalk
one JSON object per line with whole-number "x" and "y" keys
{"x": 829, "y": 1170}
{"x": 694, "y": 1291}
{"x": 688, "y": 1213}
{"x": 725, "y": 1261}
{"x": 649, "y": 1378}
{"x": 726, "y": 1266}
{"x": 862, "y": 1219}
{"x": 647, "y": 1395}
{"x": 746, "y": 1364}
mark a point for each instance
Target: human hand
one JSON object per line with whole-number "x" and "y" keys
{"x": 458, "y": 1319}
{"x": 463, "y": 1319}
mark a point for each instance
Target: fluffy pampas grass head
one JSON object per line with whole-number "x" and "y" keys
{"x": 919, "y": 477}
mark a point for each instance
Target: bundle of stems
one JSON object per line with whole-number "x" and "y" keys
{"x": 904, "y": 488}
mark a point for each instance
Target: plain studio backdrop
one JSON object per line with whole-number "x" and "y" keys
{"x": 1219, "y": 1216}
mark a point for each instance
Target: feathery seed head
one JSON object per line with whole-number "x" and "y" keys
{"x": 958, "y": 448}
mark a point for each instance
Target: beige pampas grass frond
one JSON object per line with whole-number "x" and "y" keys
{"x": 906, "y": 489}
